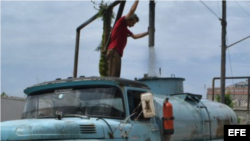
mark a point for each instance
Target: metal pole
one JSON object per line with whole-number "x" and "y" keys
{"x": 78, "y": 36}
{"x": 120, "y": 11}
{"x": 223, "y": 51}
{"x": 151, "y": 23}
{"x": 76, "y": 54}
{"x": 118, "y": 16}
{"x": 213, "y": 89}
{"x": 78, "y": 30}
{"x": 248, "y": 95}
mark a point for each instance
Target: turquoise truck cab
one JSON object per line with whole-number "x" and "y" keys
{"x": 83, "y": 109}
{"x": 109, "y": 108}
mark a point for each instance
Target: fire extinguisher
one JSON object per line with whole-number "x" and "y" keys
{"x": 168, "y": 119}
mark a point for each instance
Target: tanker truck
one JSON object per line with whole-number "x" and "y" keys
{"x": 117, "y": 109}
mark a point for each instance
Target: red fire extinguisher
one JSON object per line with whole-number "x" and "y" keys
{"x": 168, "y": 119}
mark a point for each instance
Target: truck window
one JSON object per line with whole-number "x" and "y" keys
{"x": 135, "y": 108}
{"x": 93, "y": 102}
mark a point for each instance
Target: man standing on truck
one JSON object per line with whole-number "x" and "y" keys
{"x": 118, "y": 40}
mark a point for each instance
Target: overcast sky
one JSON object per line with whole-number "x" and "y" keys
{"x": 38, "y": 42}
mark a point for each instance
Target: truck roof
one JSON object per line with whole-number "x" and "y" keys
{"x": 81, "y": 81}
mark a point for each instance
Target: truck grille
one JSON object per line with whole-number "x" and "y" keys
{"x": 87, "y": 129}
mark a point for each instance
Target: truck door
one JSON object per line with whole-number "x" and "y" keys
{"x": 142, "y": 129}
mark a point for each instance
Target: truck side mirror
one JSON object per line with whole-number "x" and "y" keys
{"x": 148, "y": 107}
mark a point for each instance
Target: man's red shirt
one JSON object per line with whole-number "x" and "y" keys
{"x": 119, "y": 36}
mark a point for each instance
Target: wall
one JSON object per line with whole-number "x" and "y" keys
{"x": 11, "y": 108}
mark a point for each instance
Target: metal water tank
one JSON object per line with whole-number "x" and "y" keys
{"x": 164, "y": 86}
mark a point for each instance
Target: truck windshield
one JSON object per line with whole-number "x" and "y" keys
{"x": 92, "y": 102}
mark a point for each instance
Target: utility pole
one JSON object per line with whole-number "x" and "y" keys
{"x": 223, "y": 51}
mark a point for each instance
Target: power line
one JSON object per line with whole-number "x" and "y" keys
{"x": 242, "y": 8}
{"x": 238, "y": 41}
{"x": 229, "y": 58}
{"x": 248, "y": 3}
{"x": 210, "y": 10}
{"x": 218, "y": 7}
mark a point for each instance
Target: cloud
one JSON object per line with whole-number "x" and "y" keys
{"x": 38, "y": 42}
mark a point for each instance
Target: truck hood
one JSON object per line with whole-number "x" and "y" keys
{"x": 67, "y": 128}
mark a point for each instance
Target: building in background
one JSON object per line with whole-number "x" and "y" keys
{"x": 239, "y": 93}
{"x": 11, "y": 108}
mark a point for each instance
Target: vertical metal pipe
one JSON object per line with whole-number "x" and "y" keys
{"x": 76, "y": 53}
{"x": 213, "y": 89}
{"x": 120, "y": 11}
{"x": 118, "y": 16}
{"x": 248, "y": 96}
{"x": 151, "y": 23}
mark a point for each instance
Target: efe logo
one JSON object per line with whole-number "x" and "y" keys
{"x": 236, "y": 132}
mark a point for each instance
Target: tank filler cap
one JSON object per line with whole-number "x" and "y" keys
{"x": 166, "y": 99}
{"x": 172, "y": 75}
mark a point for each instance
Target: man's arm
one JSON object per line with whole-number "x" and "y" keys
{"x": 132, "y": 10}
{"x": 137, "y": 36}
